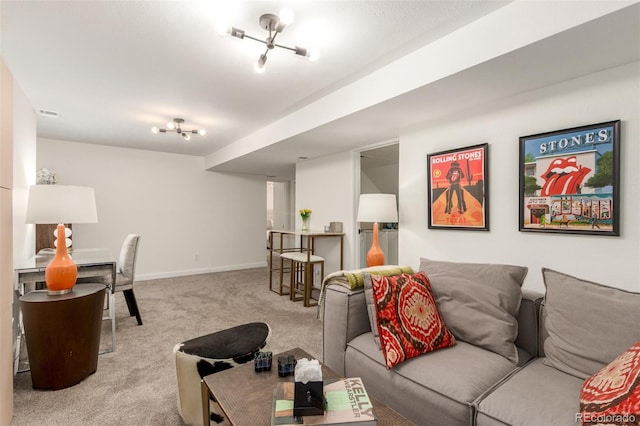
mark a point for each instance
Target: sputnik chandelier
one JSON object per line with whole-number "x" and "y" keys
{"x": 274, "y": 24}
{"x": 176, "y": 126}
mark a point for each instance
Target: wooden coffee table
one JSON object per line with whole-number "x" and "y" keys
{"x": 246, "y": 397}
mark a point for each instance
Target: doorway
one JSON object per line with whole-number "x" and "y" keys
{"x": 280, "y": 205}
{"x": 379, "y": 168}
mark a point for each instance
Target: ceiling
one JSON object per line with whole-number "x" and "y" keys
{"x": 114, "y": 69}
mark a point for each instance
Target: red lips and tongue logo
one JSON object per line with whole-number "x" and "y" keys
{"x": 563, "y": 176}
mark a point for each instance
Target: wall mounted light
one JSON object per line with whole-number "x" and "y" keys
{"x": 176, "y": 126}
{"x": 274, "y": 24}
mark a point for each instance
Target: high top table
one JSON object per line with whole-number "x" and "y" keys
{"x": 307, "y": 244}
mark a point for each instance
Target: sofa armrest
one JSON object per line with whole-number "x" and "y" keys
{"x": 345, "y": 318}
{"x": 528, "y": 322}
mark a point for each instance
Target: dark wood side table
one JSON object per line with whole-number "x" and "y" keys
{"x": 63, "y": 335}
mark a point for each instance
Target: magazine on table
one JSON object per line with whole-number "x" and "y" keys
{"x": 346, "y": 403}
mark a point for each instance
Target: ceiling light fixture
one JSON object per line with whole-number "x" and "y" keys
{"x": 175, "y": 126}
{"x": 274, "y": 24}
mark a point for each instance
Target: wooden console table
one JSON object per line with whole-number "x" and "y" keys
{"x": 63, "y": 334}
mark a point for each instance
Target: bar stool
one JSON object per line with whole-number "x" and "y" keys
{"x": 302, "y": 268}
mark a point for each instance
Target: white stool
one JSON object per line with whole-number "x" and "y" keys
{"x": 302, "y": 268}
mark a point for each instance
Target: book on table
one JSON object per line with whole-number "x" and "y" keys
{"x": 346, "y": 403}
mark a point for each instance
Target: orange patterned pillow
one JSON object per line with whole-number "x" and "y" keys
{"x": 409, "y": 322}
{"x": 612, "y": 395}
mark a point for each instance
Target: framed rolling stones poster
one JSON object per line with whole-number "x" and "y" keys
{"x": 569, "y": 180}
{"x": 457, "y": 189}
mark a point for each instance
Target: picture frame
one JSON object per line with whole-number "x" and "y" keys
{"x": 569, "y": 180}
{"x": 457, "y": 192}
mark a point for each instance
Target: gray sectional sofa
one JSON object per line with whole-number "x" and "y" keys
{"x": 520, "y": 357}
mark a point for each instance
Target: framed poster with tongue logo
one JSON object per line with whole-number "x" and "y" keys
{"x": 569, "y": 180}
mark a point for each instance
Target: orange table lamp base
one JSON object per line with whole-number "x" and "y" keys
{"x": 61, "y": 273}
{"x": 375, "y": 255}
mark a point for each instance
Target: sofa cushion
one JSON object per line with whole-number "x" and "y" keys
{"x": 588, "y": 324}
{"x": 409, "y": 323}
{"x": 479, "y": 302}
{"x": 614, "y": 391}
{"x": 437, "y": 388}
{"x": 536, "y": 395}
{"x": 368, "y": 294}
{"x": 371, "y": 308}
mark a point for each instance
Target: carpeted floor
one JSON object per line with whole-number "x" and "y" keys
{"x": 135, "y": 385}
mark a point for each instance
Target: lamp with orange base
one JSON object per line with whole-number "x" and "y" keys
{"x": 58, "y": 204}
{"x": 377, "y": 208}
{"x": 61, "y": 272}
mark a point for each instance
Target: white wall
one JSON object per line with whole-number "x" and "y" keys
{"x": 24, "y": 175}
{"x": 327, "y": 186}
{"x": 6, "y": 238}
{"x": 609, "y": 95}
{"x": 283, "y": 217}
{"x": 18, "y": 132}
{"x": 190, "y": 220}
{"x": 383, "y": 180}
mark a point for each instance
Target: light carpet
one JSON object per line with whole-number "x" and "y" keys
{"x": 136, "y": 384}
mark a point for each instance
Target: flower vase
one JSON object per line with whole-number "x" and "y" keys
{"x": 61, "y": 273}
{"x": 305, "y": 223}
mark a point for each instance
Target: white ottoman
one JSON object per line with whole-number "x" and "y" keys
{"x": 209, "y": 354}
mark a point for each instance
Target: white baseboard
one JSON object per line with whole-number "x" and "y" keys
{"x": 172, "y": 274}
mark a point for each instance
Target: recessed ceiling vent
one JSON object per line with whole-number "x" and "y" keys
{"x": 47, "y": 113}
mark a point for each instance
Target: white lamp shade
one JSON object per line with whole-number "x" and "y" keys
{"x": 61, "y": 204}
{"x": 377, "y": 208}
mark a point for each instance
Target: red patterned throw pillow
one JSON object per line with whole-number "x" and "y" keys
{"x": 612, "y": 395}
{"x": 409, "y": 322}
